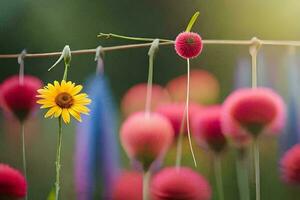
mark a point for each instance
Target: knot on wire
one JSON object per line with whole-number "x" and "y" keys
{"x": 99, "y": 59}
{"x": 21, "y": 63}
{"x": 255, "y": 45}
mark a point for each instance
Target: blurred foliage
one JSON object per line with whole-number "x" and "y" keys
{"x": 45, "y": 26}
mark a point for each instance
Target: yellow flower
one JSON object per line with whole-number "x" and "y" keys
{"x": 63, "y": 99}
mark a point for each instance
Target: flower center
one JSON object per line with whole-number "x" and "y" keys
{"x": 190, "y": 40}
{"x": 64, "y": 100}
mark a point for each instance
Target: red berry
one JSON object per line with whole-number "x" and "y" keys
{"x": 188, "y": 45}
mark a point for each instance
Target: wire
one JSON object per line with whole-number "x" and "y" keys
{"x": 131, "y": 46}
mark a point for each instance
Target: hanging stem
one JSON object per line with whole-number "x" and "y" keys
{"x": 146, "y": 182}
{"x": 58, "y": 158}
{"x": 149, "y": 87}
{"x": 179, "y": 141}
{"x": 253, "y": 49}
{"x": 257, "y": 168}
{"x": 24, "y": 153}
{"x": 218, "y": 174}
{"x": 151, "y": 53}
{"x": 187, "y": 111}
{"x": 242, "y": 174}
{"x": 254, "y": 70}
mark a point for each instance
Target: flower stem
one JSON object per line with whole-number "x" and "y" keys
{"x": 253, "y": 50}
{"x": 187, "y": 111}
{"x": 65, "y": 76}
{"x": 58, "y": 157}
{"x": 257, "y": 168}
{"x": 151, "y": 53}
{"x": 146, "y": 182}
{"x": 109, "y": 35}
{"x": 218, "y": 174}
{"x": 254, "y": 71}
{"x": 242, "y": 174}
{"x": 179, "y": 142}
{"x": 24, "y": 153}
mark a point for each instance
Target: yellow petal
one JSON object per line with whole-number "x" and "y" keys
{"x": 51, "y": 111}
{"x": 58, "y": 112}
{"x": 76, "y": 90}
{"x": 85, "y": 101}
{"x": 65, "y": 115}
{"x": 48, "y": 105}
{"x": 80, "y": 96}
{"x": 81, "y": 109}
{"x": 43, "y": 101}
{"x": 75, "y": 114}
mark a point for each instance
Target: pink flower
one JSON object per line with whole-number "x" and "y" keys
{"x": 128, "y": 186}
{"x": 180, "y": 184}
{"x": 19, "y": 99}
{"x": 145, "y": 138}
{"x": 251, "y": 112}
{"x": 204, "y": 87}
{"x": 175, "y": 111}
{"x": 188, "y": 45}
{"x": 290, "y": 165}
{"x": 135, "y": 98}
{"x": 206, "y": 128}
{"x": 12, "y": 183}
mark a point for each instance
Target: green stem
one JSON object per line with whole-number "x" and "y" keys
{"x": 254, "y": 70}
{"x": 109, "y": 35}
{"x": 192, "y": 22}
{"x": 218, "y": 175}
{"x": 242, "y": 174}
{"x": 65, "y": 76}
{"x": 187, "y": 111}
{"x": 58, "y": 158}
{"x": 257, "y": 168}
{"x": 146, "y": 182}
{"x": 179, "y": 141}
{"x": 24, "y": 153}
{"x": 149, "y": 86}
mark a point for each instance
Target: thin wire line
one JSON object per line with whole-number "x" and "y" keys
{"x": 83, "y": 51}
{"x": 131, "y": 46}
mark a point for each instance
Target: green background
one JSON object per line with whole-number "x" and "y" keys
{"x": 46, "y": 26}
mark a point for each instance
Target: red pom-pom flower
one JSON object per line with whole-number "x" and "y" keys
{"x": 20, "y": 99}
{"x": 206, "y": 128}
{"x": 253, "y": 111}
{"x": 188, "y": 44}
{"x": 128, "y": 186}
{"x": 12, "y": 183}
{"x": 290, "y": 165}
{"x": 179, "y": 183}
{"x": 145, "y": 138}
